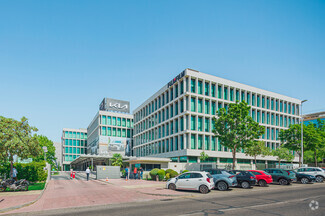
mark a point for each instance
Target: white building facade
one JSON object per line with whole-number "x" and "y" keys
{"x": 176, "y": 122}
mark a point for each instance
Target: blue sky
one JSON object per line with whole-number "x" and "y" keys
{"x": 59, "y": 59}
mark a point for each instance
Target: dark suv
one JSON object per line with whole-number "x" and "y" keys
{"x": 281, "y": 176}
{"x": 245, "y": 179}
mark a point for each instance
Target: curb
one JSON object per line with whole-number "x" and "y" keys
{"x": 31, "y": 202}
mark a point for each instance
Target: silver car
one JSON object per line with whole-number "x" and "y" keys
{"x": 319, "y": 173}
{"x": 223, "y": 179}
{"x": 200, "y": 181}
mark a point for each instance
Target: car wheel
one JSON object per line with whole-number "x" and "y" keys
{"x": 172, "y": 186}
{"x": 304, "y": 180}
{"x": 222, "y": 186}
{"x": 283, "y": 181}
{"x": 204, "y": 189}
{"x": 319, "y": 179}
{"x": 245, "y": 185}
{"x": 262, "y": 183}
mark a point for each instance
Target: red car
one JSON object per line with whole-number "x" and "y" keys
{"x": 262, "y": 177}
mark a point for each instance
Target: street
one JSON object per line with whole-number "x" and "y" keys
{"x": 274, "y": 200}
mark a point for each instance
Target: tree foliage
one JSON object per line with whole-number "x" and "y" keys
{"x": 50, "y": 154}
{"x": 257, "y": 148}
{"x": 117, "y": 160}
{"x": 236, "y": 129}
{"x": 17, "y": 138}
{"x": 203, "y": 156}
{"x": 282, "y": 154}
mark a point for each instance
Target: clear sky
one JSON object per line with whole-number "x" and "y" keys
{"x": 59, "y": 59}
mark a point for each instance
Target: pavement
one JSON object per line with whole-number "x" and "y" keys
{"x": 12, "y": 199}
{"x": 294, "y": 200}
{"x": 61, "y": 192}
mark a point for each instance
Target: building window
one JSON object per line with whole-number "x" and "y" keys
{"x": 248, "y": 99}
{"x": 213, "y": 108}
{"x": 206, "y": 89}
{"x": 104, "y": 131}
{"x": 200, "y": 142}
{"x": 206, "y": 107}
{"x": 219, "y": 92}
{"x": 213, "y": 90}
{"x": 193, "y": 126}
{"x": 193, "y": 105}
{"x": 232, "y": 94}
{"x": 193, "y": 85}
{"x": 206, "y": 125}
{"x": 193, "y": 142}
{"x": 253, "y": 99}
{"x": 199, "y": 89}
{"x": 199, "y": 106}
{"x": 272, "y": 104}
{"x": 200, "y": 124}
{"x": 258, "y": 101}
{"x": 114, "y": 121}
{"x": 213, "y": 143}
{"x": 242, "y": 96}
{"x": 225, "y": 92}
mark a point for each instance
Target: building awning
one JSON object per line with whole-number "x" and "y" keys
{"x": 96, "y": 158}
{"x": 137, "y": 160}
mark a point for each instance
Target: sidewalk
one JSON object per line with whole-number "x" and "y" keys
{"x": 12, "y": 199}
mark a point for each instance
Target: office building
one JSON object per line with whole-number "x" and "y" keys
{"x": 177, "y": 121}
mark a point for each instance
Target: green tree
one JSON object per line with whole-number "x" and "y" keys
{"x": 50, "y": 154}
{"x": 282, "y": 154}
{"x": 17, "y": 138}
{"x": 236, "y": 129}
{"x": 257, "y": 148}
{"x": 203, "y": 156}
{"x": 117, "y": 160}
{"x": 314, "y": 139}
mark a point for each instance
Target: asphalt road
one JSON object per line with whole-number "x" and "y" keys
{"x": 283, "y": 200}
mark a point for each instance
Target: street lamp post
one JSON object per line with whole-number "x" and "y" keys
{"x": 302, "y": 134}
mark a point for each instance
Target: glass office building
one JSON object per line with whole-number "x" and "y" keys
{"x": 74, "y": 144}
{"x": 176, "y": 122}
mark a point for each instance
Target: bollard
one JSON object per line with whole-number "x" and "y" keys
{"x": 157, "y": 178}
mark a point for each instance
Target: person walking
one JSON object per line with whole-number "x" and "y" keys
{"x": 141, "y": 173}
{"x": 14, "y": 173}
{"x": 126, "y": 173}
{"x": 87, "y": 172}
{"x": 135, "y": 172}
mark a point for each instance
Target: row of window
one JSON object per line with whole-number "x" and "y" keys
{"x": 116, "y": 121}
{"x": 75, "y": 135}
{"x": 74, "y": 150}
{"x": 73, "y": 142}
{"x": 217, "y": 91}
{"x": 70, "y": 157}
{"x": 197, "y": 142}
{"x": 115, "y": 132}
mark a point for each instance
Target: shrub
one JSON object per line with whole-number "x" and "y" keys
{"x": 184, "y": 171}
{"x": 30, "y": 171}
{"x": 167, "y": 176}
{"x": 153, "y": 173}
{"x": 173, "y": 174}
{"x": 169, "y": 170}
{"x": 161, "y": 174}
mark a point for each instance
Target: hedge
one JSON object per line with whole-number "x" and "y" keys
{"x": 32, "y": 172}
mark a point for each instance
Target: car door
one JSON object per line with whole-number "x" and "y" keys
{"x": 182, "y": 181}
{"x": 310, "y": 171}
{"x": 196, "y": 179}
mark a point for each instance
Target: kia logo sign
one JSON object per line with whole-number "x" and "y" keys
{"x": 118, "y": 106}
{"x": 109, "y": 104}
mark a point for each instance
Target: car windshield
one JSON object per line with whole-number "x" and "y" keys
{"x": 224, "y": 172}
{"x": 266, "y": 173}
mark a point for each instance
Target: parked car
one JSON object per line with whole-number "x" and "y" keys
{"x": 222, "y": 179}
{"x": 245, "y": 179}
{"x": 263, "y": 178}
{"x": 304, "y": 178}
{"x": 200, "y": 181}
{"x": 315, "y": 171}
{"x": 281, "y": 176}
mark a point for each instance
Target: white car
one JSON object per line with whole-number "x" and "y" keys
{"x": 200, "y": 181}
{"x": 319, "y": 173}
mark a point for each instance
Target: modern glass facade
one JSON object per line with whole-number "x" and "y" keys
{"x": 74, "y": 144}
{"x": 184, "y": 117}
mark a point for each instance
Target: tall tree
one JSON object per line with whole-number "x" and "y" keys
{"x": 282, "y": 154}
{"x": 314, "y": 139}
{"x": 236, "y": 129}
{"x": 117, "y": 160}
{"x": 204, "y": 156}
{"x": 50, "y": 154}
{"x": 257, "y": 148}
{"x": 17, "y": 138}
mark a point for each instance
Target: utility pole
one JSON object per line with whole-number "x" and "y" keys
{"x": 302, "y": 133}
